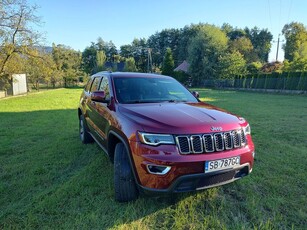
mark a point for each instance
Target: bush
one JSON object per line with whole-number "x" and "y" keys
{"x": 292, "y": 81}
{"x": 281, "y": 81}
{"x": 302, "y": 85}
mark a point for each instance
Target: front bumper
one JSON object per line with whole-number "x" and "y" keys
{"x": 188, "y": 183}
{"x": 187, "y": 171}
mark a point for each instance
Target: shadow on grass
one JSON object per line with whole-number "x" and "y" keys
{"x": 48, "y": 178}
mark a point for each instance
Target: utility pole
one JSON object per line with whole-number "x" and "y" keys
{"x": 278, "y": 40}
{"x": 277, "y": 48}
{"x": 149, "y": 58}
{"x": 149, "y": 61}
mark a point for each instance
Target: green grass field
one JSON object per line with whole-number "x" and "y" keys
{"x": 48, "y": 179}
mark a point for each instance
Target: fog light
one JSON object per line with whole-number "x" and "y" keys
{"x": 158, "y": 169}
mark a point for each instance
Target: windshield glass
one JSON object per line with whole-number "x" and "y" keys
{"x": 150, "y": 90}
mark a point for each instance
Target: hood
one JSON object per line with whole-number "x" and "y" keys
{"x": 179, "y": 118}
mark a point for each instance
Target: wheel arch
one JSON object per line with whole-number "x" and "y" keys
{"x": 113, "y": 139}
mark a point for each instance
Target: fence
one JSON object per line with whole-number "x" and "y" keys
{"x": 274, "y": 81}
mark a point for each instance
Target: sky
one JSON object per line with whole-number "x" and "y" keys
{"x": 77, "y": 23}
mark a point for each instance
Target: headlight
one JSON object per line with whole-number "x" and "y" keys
{"x": 247, "y": 129}
{"x": 156, "y": 139}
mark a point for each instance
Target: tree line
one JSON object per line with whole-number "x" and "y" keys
{"x": 211, "y": 52}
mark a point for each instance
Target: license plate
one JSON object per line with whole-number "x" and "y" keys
{"x": 212, "y": 166}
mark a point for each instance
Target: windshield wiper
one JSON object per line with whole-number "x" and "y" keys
{"x": 140, "y": 101}
{"x": 154, "y": 101}
{"x": 175, "y": 101}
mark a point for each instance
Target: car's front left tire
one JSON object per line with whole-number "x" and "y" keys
{"x": 124, "y": 183}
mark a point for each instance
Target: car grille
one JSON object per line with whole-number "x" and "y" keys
{"x": 213, "y": 142}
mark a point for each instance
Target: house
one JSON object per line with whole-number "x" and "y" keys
{"x": 184, "y": 67}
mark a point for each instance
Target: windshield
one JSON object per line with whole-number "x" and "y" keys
{"x": 150, "y": 90}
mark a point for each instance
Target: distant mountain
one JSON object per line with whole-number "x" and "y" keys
{"x": 44, "y": 49}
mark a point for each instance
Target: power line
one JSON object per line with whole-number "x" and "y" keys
{"x": 290, "y": 8}
{"x": 269, "y": 8}
{"x": 279, "y": 15}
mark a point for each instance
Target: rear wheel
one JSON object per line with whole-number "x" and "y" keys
{"x": 84, "y": 134}
{"x": 124, "y": 183}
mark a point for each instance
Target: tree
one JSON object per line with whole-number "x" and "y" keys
{"x": 296, "y": 41}
{"x": 244, "y": 46}
{"x": 108, "y": 47}
{"x": 168, "y": 63}
{"x": 40, "y": 69}
{"x": 186, "y": 34}
{"x": 227, "y": 28}
{"x": 100, "y": 60}
{"x": 89, "y": 59}
{"x": 68, "y": 63}
{"x": 130, "y": 65}
{"x": 254, "y": 44}
{"x": 126, "y": 51}
{"x": 16, "y": 35}
{"x": 254, "y": 67}
{"x": 236, "y": 34}
{"x": 140, "y": 53}
{"x": 160, "y": 41}
{"x": 14, "y": 65}
{"x": 298, "y": 65}
{"x": 232, "y": 64}
{"x": 204, "y": 50}
{"x": 261, "y": 40}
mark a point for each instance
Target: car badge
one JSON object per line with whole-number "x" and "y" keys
{"x": 215, "y": 129}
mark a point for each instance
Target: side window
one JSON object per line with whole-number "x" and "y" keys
{"x": 104, "y": 86}
{"x": 88, "y": 85}
{"x": 95, "y": 84}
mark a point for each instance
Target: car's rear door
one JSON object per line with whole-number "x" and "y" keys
{"x": 91, "y": 106}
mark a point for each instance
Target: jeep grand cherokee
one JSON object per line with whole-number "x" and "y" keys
{"x": 160, "y": 136}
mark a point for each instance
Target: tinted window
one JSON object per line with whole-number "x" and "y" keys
{"x": 104, "y": 86}
{"x": 95, "y": 84}
{"x": 88, "y": 85}
{"x": 151, "y": 90}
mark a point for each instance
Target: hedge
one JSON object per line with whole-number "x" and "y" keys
{"x": 282, "y": 81}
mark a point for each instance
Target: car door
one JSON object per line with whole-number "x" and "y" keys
{"x": 91, "y": 106}
{"x": 101, "y": 114}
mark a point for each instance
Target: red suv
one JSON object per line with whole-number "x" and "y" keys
{"x": 160, "y": 136}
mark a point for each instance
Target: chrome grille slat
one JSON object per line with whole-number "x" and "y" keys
{"x": 236, "y": 139}
{"x": 197, "y": 144}
{"x": 243, "y": 138}
{"x": 208, "y": 143}
{"x": 183, "y": 144}
{"x": 218, "y": 142}
{"x": 228, "y": 139}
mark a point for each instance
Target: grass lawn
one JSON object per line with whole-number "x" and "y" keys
{"x": 48, "y": 179}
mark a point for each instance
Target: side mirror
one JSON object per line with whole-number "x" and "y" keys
{"x": 99, "y": 96}
{"x": 195, "y": 94}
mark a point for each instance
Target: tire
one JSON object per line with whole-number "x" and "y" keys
{"x": 124, "y": 183}
{"x": 84, "y": 134}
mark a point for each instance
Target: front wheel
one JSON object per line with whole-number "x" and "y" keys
{"x": 124, "y": 183}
